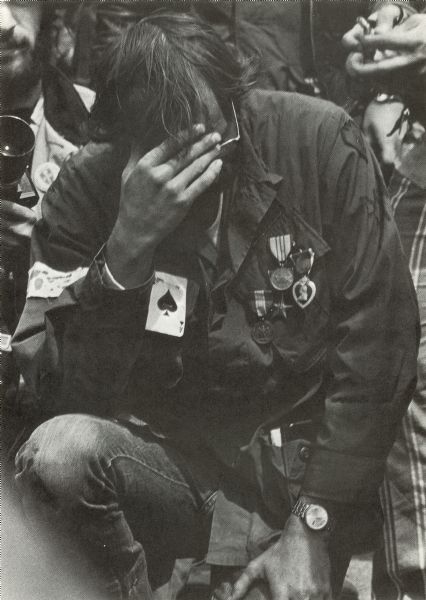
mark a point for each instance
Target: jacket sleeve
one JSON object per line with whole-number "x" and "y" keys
{"x": 76, "y": 350}
{"x": 374, "y": 332}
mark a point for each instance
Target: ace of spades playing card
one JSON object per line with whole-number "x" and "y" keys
{"x": 167, "y": 305}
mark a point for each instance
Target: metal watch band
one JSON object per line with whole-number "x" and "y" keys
{"x": 299, "y": 508}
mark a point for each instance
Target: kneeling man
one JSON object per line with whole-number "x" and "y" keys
{"x": 220, "y": 322}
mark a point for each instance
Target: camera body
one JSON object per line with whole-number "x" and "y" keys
{"x": 23, "y": 192}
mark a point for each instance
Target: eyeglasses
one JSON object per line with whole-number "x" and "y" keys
{"x": 237, "y": 137}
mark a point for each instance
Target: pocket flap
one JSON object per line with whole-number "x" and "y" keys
{"x": 308, "y": 237}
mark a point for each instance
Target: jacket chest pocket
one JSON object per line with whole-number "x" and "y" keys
{"x": 162, "y": 354}
{"x": 298, "y": 314}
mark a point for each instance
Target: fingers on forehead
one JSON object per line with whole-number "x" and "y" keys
{"x": 192, "y": 152}
{"x": 173, "y": 145}
{"x": 204, "y": 181}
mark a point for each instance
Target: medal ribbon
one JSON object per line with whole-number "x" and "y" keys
{"x": 261, "y": 302}
{"x": 280, "y": 247}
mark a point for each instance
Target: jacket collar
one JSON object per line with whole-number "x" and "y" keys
{"x": 63, "y": 108}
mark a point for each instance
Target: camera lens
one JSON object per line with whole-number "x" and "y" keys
{"x": 16, "y": 145}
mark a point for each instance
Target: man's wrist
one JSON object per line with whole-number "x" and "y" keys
{"x": 129, "y": 262}
{"x": 108, "y": 278}
{"x": 295, "y": 522}
{"x": 331, "y": 507}
{"x": 318, "y": 515}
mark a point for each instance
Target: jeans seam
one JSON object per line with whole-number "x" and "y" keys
{"x": 141, "y": 462}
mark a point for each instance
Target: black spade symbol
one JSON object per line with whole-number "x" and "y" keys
{"x": 167, "y": 302}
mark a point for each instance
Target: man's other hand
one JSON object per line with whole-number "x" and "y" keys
{"x": 380, "y": 22}
{"x": 16, "y": 224}
{"x": 400, "y": 48}
{"x": 157, "y": 191}
{"x": 297, "y": 566}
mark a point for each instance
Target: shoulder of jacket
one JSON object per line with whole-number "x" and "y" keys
{"x": 87, "y": 187}
{"x": 94, "y": 160}
{"x": 294, "y": 120}
{"x": 298, "y": 109}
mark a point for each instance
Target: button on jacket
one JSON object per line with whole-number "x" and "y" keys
{"x": 348, "y": 359}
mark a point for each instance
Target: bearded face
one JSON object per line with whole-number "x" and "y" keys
{"x": 19, "y": 45}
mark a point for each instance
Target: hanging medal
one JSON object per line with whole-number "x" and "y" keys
{"x": 304, "y": 290}
{"x": 281, "y": 307}
{"x": 262, "y": 331}
{"x": 282, "y": 277}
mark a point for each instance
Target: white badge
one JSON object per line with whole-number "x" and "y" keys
{"x": 5, "y": 342}
{"x": 45, "y": 282}
{"x": 167, "y": 305}
{"x": 45, "y": 174}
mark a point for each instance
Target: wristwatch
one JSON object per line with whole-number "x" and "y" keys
{"x": 314, "y": 516}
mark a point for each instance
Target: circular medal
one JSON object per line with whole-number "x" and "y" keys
{"x": 262, "y": 332}
{"x": 282, "y": 278}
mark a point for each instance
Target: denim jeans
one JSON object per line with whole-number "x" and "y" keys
{"x": 129, "y": 501}
{"x": 111, "y": 488}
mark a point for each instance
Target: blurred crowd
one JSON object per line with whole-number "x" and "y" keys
{"x": 368, "y": 58}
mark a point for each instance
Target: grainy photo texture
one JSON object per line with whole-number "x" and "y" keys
{"x": 212, "y": 280}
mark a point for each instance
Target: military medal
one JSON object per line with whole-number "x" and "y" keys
{"x": 303, "y": 261}
{"x": 282, "y": 277}
{"x": 304, "y": 290}
{"x": 262, "y": 331}
{"x": 282, "y": 307}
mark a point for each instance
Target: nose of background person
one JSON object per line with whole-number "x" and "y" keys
{"x": 7, "y": 21}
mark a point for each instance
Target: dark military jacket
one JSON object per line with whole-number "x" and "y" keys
{"x": 348, "y": 359}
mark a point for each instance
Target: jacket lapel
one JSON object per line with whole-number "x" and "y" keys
{"x": 255, "y": 193}
{"x": 63, "y": 107}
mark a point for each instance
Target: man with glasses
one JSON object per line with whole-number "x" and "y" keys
{"x": 219, "y": 302}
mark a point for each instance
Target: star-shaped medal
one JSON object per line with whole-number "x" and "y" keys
{"x": 281, "y": 307}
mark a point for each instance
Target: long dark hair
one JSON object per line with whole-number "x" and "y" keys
{"x": 153, "y": 81}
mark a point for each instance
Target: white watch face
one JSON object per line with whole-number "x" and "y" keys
{"x": 316, "y": 517}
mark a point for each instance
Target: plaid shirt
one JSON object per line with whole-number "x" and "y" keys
{"x": 400, "y": 569}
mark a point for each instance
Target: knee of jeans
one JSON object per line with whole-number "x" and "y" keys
{"x": 63, "y": 454}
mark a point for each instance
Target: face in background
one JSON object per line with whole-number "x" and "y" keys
{"x": 19, "y": 28}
